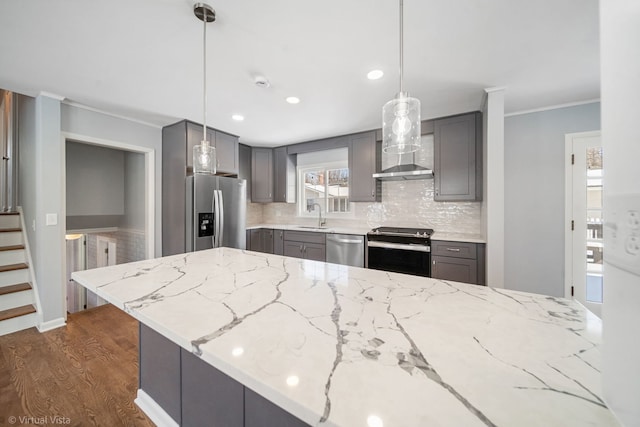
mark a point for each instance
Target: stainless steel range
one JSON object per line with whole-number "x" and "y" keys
{"x": 402, "y": 250}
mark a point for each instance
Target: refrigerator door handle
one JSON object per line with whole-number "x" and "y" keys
{"x": 220, "y": 218}
{"x": 214, "y": 209}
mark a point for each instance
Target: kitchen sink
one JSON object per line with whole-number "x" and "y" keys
{"x": 311, "y": 227}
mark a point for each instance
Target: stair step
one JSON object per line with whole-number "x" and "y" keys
{"x": 11, "y": 248}
{"x": 14, "y": 288}
{"x": 13, "y": 267}
{"x": 17, "y": 312}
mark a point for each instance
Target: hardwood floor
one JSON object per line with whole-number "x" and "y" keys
{"x": 85, "y": 373}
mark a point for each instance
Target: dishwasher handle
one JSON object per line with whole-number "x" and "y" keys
{"x": 342, "y": 240}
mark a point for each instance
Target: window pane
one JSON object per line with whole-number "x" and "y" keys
{"x": 338, "y": 190}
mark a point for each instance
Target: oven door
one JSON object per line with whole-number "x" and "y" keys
{"x": 400, "y": 258}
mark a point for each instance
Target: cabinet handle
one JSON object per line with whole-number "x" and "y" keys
{"x": 300, "y": 248}
{"x": 453, "y": 249}
{"x": 434, "y": 262}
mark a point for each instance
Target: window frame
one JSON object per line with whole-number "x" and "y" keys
{"x": 301, "y": 201}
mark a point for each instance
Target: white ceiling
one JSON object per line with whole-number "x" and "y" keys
{"x": 143, "y": 58}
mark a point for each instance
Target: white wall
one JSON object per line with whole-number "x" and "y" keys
{"x": 95, "y": 180}
{"x": 534, "y": 195}
{"x": 620, "y": 39}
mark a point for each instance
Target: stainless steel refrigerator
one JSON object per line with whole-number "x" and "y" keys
{"x": 216, "y": 212}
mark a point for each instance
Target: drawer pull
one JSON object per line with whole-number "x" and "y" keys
{"x": 453, "y": 249}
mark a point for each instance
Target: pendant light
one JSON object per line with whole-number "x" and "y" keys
{"x": 204, "y": 155}
{"x": 401, "y": 116}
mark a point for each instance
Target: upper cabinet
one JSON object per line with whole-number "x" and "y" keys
{"x": 226, "y": 153}
{"x": 244, "y": 166}
{"x": 261, "y": 175}
{"x": 284, "y": 171}
{"x": 364, "y": 161}
{"x": 186, "y": 135}
{"x": 458, "y": 158}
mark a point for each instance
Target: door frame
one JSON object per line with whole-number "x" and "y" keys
{"x": 150, "y": 182}
{"x": 568, "y": 206}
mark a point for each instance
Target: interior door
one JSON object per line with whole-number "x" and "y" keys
{"x": 587, "y": 243}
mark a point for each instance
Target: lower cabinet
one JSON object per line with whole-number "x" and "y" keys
{"x": 209, "y": 397}
{"x": 305, "y": 244}
{"x": 194, "y": 393}
{"x": 278, "y": 242}
{"x": 458, "y": 261}
{"x": 261, "y": 240}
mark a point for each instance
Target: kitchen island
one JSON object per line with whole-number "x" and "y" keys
{"x": 342, "y": 346}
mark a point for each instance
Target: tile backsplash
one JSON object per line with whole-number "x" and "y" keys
{"x": 404, "y": 204}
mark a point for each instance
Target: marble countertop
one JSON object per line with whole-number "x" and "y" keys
{"x": 343, "y": 346}
{"x": 438, "y": 235}
{"x": 458, "y": 237}
{"x": 304, "y": 227}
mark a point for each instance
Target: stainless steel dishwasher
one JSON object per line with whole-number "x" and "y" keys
{"x": 346, "y": 249}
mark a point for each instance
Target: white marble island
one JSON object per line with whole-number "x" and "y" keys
{"x": 341, "y": 346}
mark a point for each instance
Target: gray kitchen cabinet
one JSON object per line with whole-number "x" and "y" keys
{"x": 226, "y": 148}
{"x": 458, "y": 261}
{"x": 209, "y": 397}
{"x": 244, "y": 166}
{"x": 284, "y": 170}
{"x": 458, "y": 158}
{"x": 305, "y": 244}
{"x": 160, "y": 370}
{"x": 226, "y": 153}
{"x": 261, "y": 240}
{"x": 259, "y": 412}
{"x": 278, "y": 242}
{"x": 261, "y": 175}
{"x": 315, "y": 251}
{"x": 364, "y": 161}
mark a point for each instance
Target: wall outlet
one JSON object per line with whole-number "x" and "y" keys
{"x": 622, "y": 232}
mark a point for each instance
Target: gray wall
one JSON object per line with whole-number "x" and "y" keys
{"x": 41, "y": 181}
{"x": 95, "y": 180}
{"x": 534, "y": 195}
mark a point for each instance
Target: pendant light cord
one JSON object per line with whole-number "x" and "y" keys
{"x": 401, "y": 45}
{"x": 204, "y": 57}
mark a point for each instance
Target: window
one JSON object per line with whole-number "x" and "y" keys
{"x": 325, "y": 184}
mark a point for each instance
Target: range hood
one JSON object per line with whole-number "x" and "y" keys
{"x": 404, "y": 172}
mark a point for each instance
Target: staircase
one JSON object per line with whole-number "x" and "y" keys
{"x": 17, "y": 298}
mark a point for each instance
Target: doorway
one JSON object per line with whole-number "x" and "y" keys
{"x": 584, "y": 275}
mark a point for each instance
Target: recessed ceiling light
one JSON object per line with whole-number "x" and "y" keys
{"x": 375, "y": 74}
{"x": 293, "y": 100}
{"x": 237, "y": 117}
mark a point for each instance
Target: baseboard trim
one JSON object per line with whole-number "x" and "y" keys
{"x": 51, "y": 324}
{"x": 153, "y": 410}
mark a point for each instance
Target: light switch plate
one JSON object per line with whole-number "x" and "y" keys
{"x": 52, "y": 219}
{"x": 622, "y": 232}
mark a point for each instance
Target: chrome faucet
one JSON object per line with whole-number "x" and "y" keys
{"x": 321, "y": 221}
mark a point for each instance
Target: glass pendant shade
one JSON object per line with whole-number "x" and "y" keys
{"x": 401, "y": 125}
{"x": 204, "y": 158}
